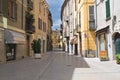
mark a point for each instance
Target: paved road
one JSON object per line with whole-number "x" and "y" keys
{"x": 57, "y": 65}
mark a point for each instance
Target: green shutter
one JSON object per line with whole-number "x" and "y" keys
{"x": 107, "y": 9}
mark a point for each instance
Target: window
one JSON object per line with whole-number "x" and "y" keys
{"x": 44, "y": 26}
{"x": 107, "y": 9}
{"x": 80, "y": 19}
{"x": 13, "y": 9}
{"x": 0, "y": 6}
{"x": 44, "y": 11}
{"x": 102, "y": 42}
{"x": 75, "y": 5}
{"x": 39, "y": 23}
{"x": 40, "y": 7}
{"x": 91, "y": 17}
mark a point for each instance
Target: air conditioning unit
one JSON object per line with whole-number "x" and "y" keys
{"x": 101, "y": 0}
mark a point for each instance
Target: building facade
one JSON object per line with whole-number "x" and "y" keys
{"x": 41, "y": 13}
{"x": 85, "y": 26}
{"x": 107, "y": 28}
{"x": 68, "y": 24}
{"x": 79, "y": 27}
{"x": 12, "y": 30}
{"x": 49, "y": 31}
{"x": 22, "y": 21}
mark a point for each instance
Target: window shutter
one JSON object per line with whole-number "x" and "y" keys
{"x": 91, "y": 18}
{"x": 107, "y": 9}
{"x": 1, "y": 6}
{"x": 15, "y": 12}
{"x": 91, "y": 13}
{"x": 80, "y": 19}
{"x": 5, "y": 7}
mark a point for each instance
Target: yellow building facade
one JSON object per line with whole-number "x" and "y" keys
{"x": 40, "y": 12}
{"x": 85, "y": 22}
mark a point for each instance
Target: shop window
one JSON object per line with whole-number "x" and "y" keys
{"x": 102, "y": 42}
{"x": 10, "y": 51}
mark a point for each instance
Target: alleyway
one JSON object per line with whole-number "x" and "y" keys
{"x": 57, "y": 65}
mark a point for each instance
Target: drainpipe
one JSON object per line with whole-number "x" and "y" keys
{"x": 96, "y": 55}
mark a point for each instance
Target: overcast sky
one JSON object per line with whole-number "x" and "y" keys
{"x": 55, "y": 8}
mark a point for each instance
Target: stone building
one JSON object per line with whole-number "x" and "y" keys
{"x": 41, "y": 13}
{"x": 12, "y": 25}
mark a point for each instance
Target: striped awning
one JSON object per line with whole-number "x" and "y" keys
{"x": 14, "y": 37}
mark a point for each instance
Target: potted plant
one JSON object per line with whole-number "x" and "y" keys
{"x": 118, "y": 58}
{"x": 36, "y": 46}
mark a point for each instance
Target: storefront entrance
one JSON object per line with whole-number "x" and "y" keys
{"x": 10, "y": 51}
{"x": 117, "y": 43}
{"x": 102, "y": 47}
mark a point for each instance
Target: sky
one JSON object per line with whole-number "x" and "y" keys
{"x": 55, "y": 8}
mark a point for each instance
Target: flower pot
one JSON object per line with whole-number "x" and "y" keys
{"x": 37, "y": 55}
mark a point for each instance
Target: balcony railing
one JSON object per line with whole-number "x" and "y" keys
{"x": 30, "y": 5}
{"x": 30, "y": 29}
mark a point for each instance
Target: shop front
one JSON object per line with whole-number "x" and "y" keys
{"x": 102, "y": 43}
{"x": 15, "y": 45}
{"x": 116, "y": 40}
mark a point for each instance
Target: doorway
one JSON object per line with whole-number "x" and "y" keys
{"x": 10, "y": 52}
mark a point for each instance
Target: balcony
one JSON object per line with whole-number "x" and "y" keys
{"x": 30, "y": 29}
{"x": 30, "y": 5}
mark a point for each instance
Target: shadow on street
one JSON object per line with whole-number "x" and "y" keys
{"x": 63, "y": 66}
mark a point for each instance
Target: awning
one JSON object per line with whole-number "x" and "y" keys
{"x": 14, "y": 37}
{"x": 102, "y": 30}
{"x": 74, "y": 40}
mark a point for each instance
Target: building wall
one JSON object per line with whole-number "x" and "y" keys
{"x": 2, "y": 46}
{"x": 39, "y": 8}
{"x": 103, "y": 23}
{"x": 16, "y": 31}
{"x": 87, "y": 35}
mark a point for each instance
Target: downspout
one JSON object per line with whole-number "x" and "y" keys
{"x": 96, "y": 55}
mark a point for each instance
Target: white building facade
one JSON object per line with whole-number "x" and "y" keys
{"x": 68, "y": 23}
{"x": 107, "y": 27}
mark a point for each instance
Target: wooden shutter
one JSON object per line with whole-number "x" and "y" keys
{"x": 15, "y": 12}
{"x": 5, "y": 7}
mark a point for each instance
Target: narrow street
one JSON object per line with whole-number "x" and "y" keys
{"x": 57, "y": 65}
